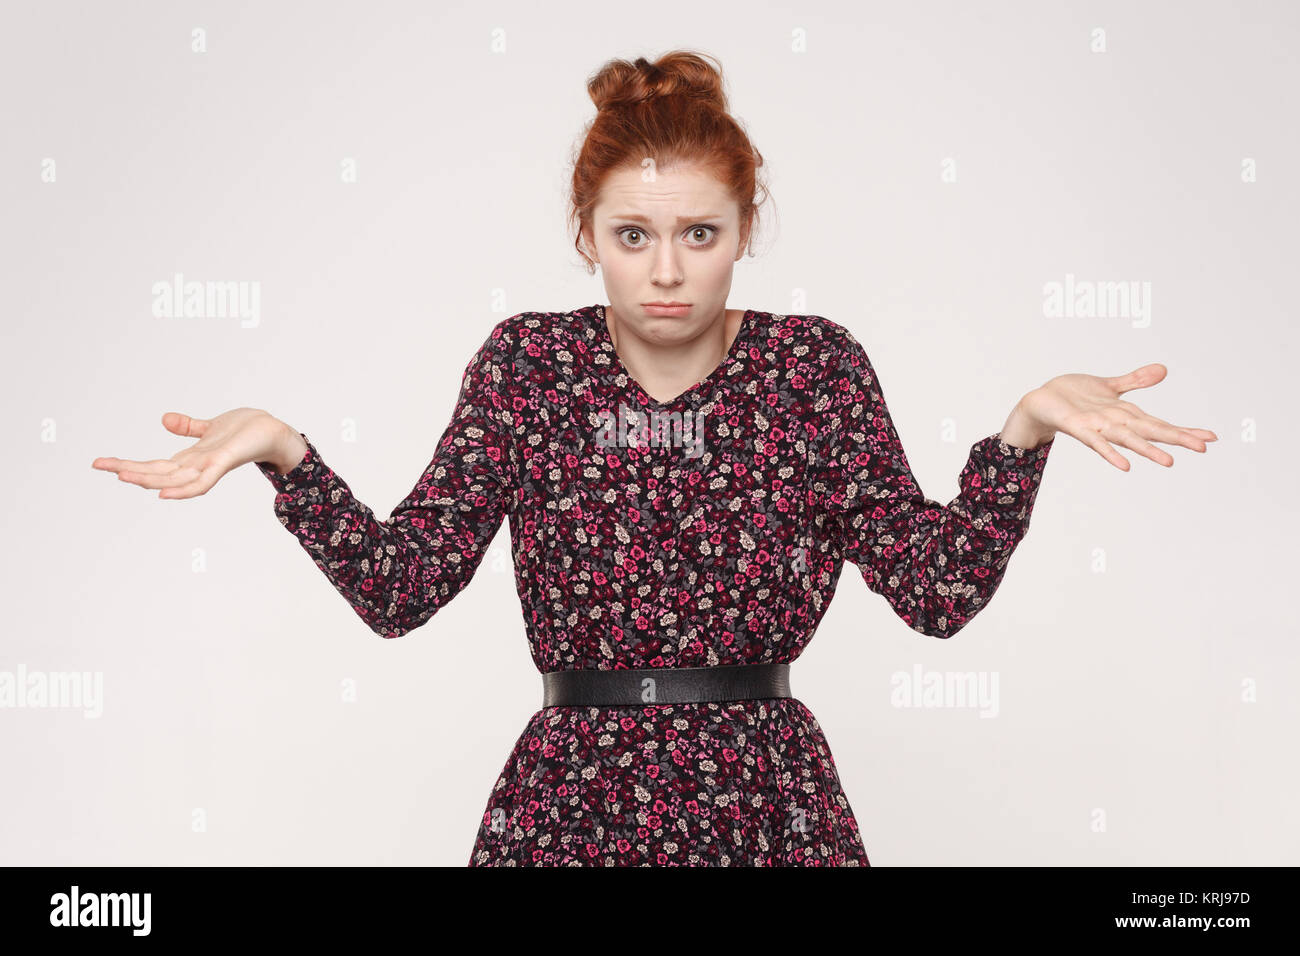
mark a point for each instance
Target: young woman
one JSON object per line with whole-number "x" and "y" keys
{"x": 683, "y": 483}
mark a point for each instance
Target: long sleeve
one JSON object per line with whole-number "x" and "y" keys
{"x": 936, "y": 565}
{"x": 397, "y": 573}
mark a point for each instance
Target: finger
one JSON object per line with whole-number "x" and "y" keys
{"x": 143, "y": 467}
{"x": 178, "y": 476}
{"x": 199, "y": 486}
{"x": 1093, "y": 440}
{"x": 184, "y": 425}
{"x": 1193, "y": 438}
{"x": 1122, "y": 434}
{"x": 1143, "y": 377}
{"x": 1158, "y": 430}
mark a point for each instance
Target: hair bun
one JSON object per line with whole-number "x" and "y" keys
{"x": 620, "y": 83}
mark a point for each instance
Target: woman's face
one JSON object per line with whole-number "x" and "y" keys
{"x": 673, "y": 239}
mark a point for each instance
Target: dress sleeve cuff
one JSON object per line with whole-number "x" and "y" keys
{"x": 309, "y": 473}
{"x": 1007, "y": 475}
{"x": 1004, "y": 456}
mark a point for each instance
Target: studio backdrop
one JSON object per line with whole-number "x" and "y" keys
{"x": 323, "y": 210}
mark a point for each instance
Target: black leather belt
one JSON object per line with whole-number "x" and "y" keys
{"x": 664, "y": 685}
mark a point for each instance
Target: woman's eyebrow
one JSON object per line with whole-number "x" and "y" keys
{"x": 680, "y": 219}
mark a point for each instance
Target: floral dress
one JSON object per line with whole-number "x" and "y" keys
{"x": 706, "y": 530}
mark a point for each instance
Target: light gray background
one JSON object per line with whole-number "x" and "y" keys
{"x": 1147, "y": 712}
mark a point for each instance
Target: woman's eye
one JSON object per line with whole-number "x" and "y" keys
{"x": 631, "y": 236}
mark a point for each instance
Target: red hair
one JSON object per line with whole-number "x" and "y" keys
{"x": 671, "y": 111}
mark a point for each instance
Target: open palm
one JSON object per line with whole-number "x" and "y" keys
{"x": 1089, "y": 408}
{"x": 233, "y": 438}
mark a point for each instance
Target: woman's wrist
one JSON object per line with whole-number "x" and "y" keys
{"x": 292, "y": 449}
{"x": 1023, "y": 431}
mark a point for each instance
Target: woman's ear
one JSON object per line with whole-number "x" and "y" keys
{"x": 745, "y": 228}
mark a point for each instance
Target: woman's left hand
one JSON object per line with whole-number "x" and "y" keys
{"x": 1089, "y": 408}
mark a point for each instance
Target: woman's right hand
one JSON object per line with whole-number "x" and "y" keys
{"x": 233, "y": 438}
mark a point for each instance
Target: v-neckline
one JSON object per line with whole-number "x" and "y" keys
{"x": 619, "y": 368}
